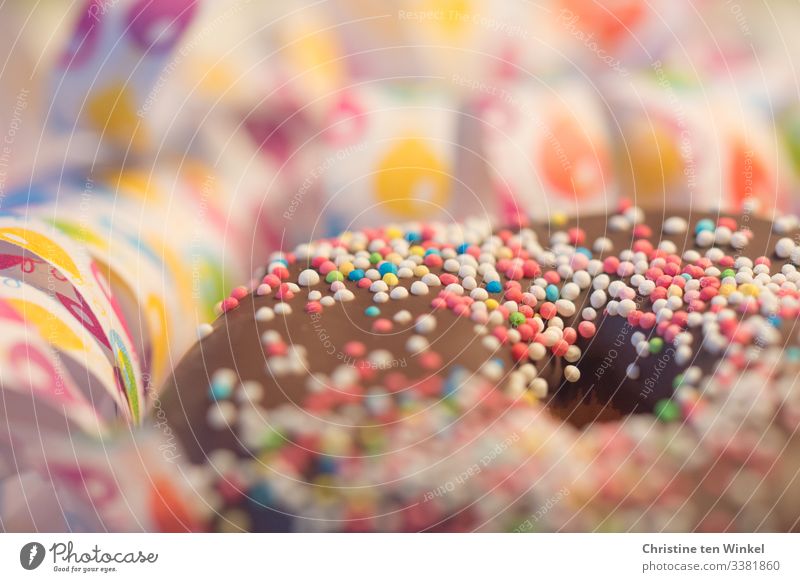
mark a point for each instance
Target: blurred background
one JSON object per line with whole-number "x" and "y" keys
{"x": 153, "y": 153}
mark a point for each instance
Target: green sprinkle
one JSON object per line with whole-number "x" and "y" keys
{"x": 727, "y": 273}
{"x": 334, "y": 276}
{"x": 516, "y": 318}
{"x": 677, "y": 381}
{"x": 375, "y": 258}
{"x": 656, "y": 344}
{"x": 667, "y": 411}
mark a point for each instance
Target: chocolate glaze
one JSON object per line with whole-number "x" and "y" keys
{"x": 603, "y": 393}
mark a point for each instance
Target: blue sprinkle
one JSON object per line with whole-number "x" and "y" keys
{"x": 326, "y": 464}
{"x": 356, "y": 274}
{"x": 794, "y": 353}
{"x": 705, "y": 224}
{"x": 413, "y": 237}
{"x": 551, "y": 292}
{"x": 372, "y": 311}
{"x": 220, "y": 390}
{"x": 686, "y": 276}
{"x": 261, "y": 494}
{"x": 461, "y": 249}
{"x": 499, "y": 362}
{"x": 494, "y": 287}
{"x": 585, "y": 252}
{"x": 775, "y": 321}
{"x": 432, "y": 252}
{"x": 387, "y": 267}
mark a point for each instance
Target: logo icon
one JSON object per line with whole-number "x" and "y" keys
{"x": 31, "y": 555}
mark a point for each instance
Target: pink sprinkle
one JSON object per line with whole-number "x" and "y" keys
{"x": 552, "y": 277}
{"x": 433, "y": 261}
{"x": 610, "y": 265}
{"x": 284, "y": 293}
{"x": 430, "y": 360}
{"x": 281, "y": 272}
{"x": 355, "y": 349}
{"x": 634, "y": 317}
{"x": 229, "y": 303}
{"x": 440, "y": 303}
{"x": 647, "y": 320}
{"x": 530, "y": 268}
{"x": 548, "y": 310}
{"x": 448, "y": 279}
{"x": 727, "y": 261}
{"x": 529, "y": 299}
{"x": 364, "y": 282}
{"x": 560, "y": 348}
{"x": 570, "y": 335}
{"x": 461, "y": 310}
{"x": 642, "y": 231}
{"x": 326, "y": 267}
{"x": 587, "y": 329}
{"x": 514, "y": 294}
{"x": 525, "y": 331}
{"x": 519, "y": 352}
{"x": 500, "y": 333}
{"x": 239, "y": 292}
{"x": 514, "y": 272}
{"x": 382, "y": 325}
{"x": 271, "y": 280}
{"x": 727, "y": 222}
{"x": 763, "y": 261}
{"x": 313, "y": 307}
{"x": 576, "y": 236}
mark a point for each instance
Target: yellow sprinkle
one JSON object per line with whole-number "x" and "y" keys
{"x": 421, "y": 270}
{"x": 504, "y": 253}
{"x": 491, "y": 304}
{"x": 394, "y": 258}
{"x": 346, "y": 267}
{"x": 393, "y": 232}
{"x": 675, "y": 290}
{"x": 390, "y": 279}
{"x": 559, "y": 219}
{"x": 726, "y": 289}
{"x": 529, "y": 397}
{"x": 749, "y": 289}
{"x": 417, "y": 250}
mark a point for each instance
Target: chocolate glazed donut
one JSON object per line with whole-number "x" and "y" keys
{"x": 455, "y": 378}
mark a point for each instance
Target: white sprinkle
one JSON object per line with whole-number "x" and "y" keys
{"x": 314, "y": 295}
{"x": 632, "y": 372}
{"x": 784, "y": 247}
{"x": 265, "y": 314}
{"x": 598, "y": 299}
{"x": 675, "y": 225}
{"x": 380, "y": 297}
{"x": 431, "y": 280}
{"x": 419, "y": 288}
{"x": 308, "y": 278}
{"x": 416, "y": 344}
{"x": 221, "y": 415}
{"x": 402, "y": 316}
{"x": 263, "y": 289}
{"x": 203, "y": 330}
{"x": 536, "y": 351}
{"x": 603, "y": 245}
{"x": 378, "y": 286}
{"x": 344, "y": 295}
{"x": 739, "y": 240}
{"x": 565, "y": 307}
{"x": 704, "y": 238}
{"x": 425, "y": 324}
{"x": 399, "y": 293}
{"x": 327, "y": 301}
{"x": 538, "y": 387}
{"x": 572, "y": 373}
{"x": 589, "y": 314}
